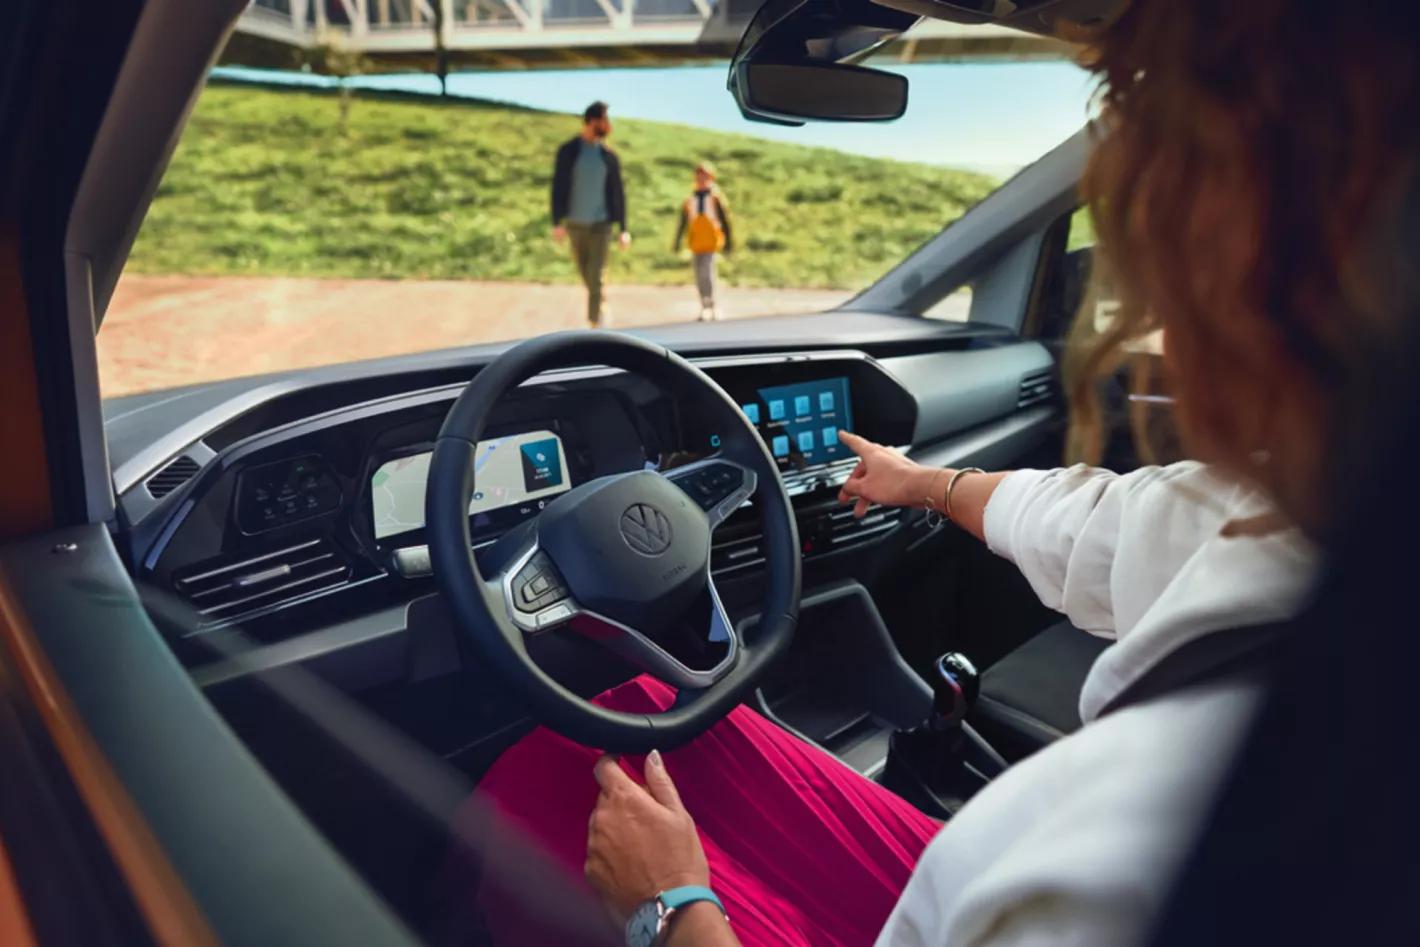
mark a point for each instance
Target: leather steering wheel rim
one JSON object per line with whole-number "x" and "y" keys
{"x": 480, "y": 606}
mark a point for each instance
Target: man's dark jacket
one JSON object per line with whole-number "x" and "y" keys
{"x": 562, "y": 184}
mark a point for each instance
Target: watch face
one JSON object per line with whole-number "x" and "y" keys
{"x": 644, "y": 925}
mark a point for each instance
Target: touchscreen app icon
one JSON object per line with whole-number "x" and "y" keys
{"x": 751, "y": 411}
{"x": 801, "y": 406}
{"x": 542, "y": 467}
{"x": 825, "y": 401}
{"x": 776, "y": 409}
{"x": 781, "y": 445}
{"x": 830, "y": 436}
{"x": 806, "y": 441}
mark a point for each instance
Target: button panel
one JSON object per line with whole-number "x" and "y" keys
{"x": 286, "y": 492}
{"x": 711, "y": 484}
{"x": 536, "y": 586}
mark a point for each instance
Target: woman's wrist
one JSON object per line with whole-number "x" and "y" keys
{"x": 701, "y": 924}
{"x": 931, "y": 488}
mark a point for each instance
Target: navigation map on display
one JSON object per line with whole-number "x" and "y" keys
{"x": 520, "y": 468}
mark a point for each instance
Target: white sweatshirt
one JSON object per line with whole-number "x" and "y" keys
{"x": 1078, "y": 844}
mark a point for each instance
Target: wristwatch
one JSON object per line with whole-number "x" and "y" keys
{"x": 652, "y": 918}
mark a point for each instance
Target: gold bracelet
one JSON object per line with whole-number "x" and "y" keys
{"x": 929, "y": 501}
{"x": 951, "y": 485}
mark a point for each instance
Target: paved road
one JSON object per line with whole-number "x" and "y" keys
{"x": 165, "y": 331}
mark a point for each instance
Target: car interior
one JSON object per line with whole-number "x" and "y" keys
{"x": 328, "y": 669}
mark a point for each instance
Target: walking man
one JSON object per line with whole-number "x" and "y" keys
{"x": 589, "y": 205}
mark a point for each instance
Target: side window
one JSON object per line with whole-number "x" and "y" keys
{"x": 1069, "y": 283}
{"x": 953, "y": 307}
{"x": 1080, "y": 244}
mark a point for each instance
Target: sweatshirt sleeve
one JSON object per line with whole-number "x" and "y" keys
{"x": 1101, "y": 547}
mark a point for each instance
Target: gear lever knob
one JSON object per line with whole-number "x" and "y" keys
{"x": 955, "y": 684}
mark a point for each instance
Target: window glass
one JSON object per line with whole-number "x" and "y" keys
{"x": 325, "y": 206}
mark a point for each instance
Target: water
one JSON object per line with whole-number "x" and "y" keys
{"x": 987, "y": 116}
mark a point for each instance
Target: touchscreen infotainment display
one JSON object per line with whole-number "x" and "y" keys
{"x": 518, "y": 472}
{"x": 800, "y": 422}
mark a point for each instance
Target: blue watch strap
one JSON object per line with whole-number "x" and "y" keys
{"x": 675, "y": 898}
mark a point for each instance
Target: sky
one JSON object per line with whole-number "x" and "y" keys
{"x": 994, "y": 117}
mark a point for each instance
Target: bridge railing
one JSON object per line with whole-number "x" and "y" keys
{"x": 320, "y": 20}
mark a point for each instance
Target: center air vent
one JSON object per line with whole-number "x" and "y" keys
{"x": 823, "y": 529}
{"x": 174, "y": 475}
{"x": 229, "y": 587}
{"x": 1037, "y": 388}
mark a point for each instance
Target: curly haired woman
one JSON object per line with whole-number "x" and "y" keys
{"x": 1247, "y": 181}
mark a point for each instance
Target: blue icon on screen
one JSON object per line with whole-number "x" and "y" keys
{"x": 830, "y": 436}
{"x": 751, "y": 411}
{"x": 781, "y": 446}
{"x": 825, "y": 401}
{"x": 806, "y": 441}
{"x": 801, "y": 406}
{"x": 714, "y": 440}
{"x": 776, "y": 410}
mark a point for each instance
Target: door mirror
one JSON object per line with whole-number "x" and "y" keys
{"x": 793, "y": 93}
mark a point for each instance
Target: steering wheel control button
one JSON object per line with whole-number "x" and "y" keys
{"x": 553, "y": 615}
{"x": 537, "y": 584}
{"x": 712, "y": 486}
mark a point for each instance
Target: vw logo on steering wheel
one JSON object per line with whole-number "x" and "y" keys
{"x": 646, "y": 529}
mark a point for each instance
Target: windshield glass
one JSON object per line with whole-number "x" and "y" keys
{"x": 340, "y": 207}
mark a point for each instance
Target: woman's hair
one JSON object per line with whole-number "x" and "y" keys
{"x": 1248, "y": 157}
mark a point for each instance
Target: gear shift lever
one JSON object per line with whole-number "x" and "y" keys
{"x": 955, "y": 684}
{"x": 939, "y": 764}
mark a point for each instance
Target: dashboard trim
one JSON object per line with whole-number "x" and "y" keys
{"x": 232, "y": 454}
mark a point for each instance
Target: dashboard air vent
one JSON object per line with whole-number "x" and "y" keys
{"x": 174, "y": 475}
{"x": 226, "y": 588}
{"x": 736, "y": 554}
{"x": 823, "y": 530}
{"x": 1037, "y": 388}
{"x": 847, "y": 530}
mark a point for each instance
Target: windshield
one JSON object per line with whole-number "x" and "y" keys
{"x": 341, "y": 208}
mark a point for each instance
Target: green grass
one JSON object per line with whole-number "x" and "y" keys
{"x": 268, "y": 182}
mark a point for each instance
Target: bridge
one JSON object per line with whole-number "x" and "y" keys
{"x": 393, "y": 35}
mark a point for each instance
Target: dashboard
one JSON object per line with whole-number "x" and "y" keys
{"x": 323, "y": 517}
{"x": 286, "y": 512}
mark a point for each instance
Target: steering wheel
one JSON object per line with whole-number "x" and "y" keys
{"x": 622, "y": 559}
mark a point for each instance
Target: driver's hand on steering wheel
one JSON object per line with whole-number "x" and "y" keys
{"x": 885, "y": 477}
{"x": 640, "y": 840}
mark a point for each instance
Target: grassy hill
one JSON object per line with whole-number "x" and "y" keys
{"x": 272, "y": 182}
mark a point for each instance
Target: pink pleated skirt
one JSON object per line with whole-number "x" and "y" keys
{"x": 802, "y": 850}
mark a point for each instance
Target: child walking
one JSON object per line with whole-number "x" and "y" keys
{"x": 705, "y": 225}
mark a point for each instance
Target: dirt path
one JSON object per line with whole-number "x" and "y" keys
{"x": 166, "y": 331}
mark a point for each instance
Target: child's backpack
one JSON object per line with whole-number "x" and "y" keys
{"x": 705, "y": 232}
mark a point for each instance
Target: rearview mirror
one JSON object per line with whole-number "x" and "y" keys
{"x": 793, "y": 93}
{"x": 795, "y": 63}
